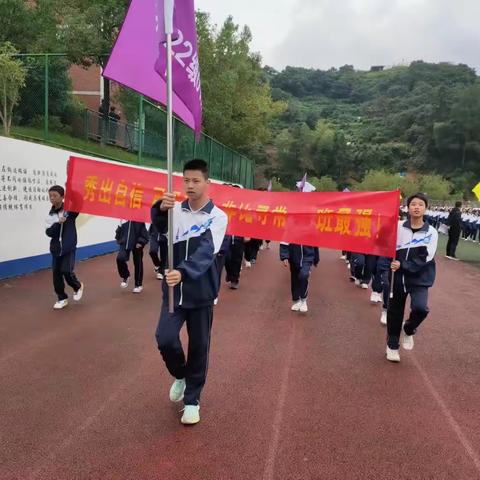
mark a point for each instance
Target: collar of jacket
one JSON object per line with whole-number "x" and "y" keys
{"x": 56, "y": 210}
{"x": 206, "y": 209}
{"x": 425, "y": 227}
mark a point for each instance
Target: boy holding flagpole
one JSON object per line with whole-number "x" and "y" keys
{"x": 198, "y": 231}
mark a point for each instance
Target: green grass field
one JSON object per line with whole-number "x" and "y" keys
{"x": 86, "y": 147}
{"x": 467, "y": 252}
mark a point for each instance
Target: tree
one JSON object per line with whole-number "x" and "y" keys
{"x": 15, "y": 24}
{"x": 30, "y": 26}
{"x": 88, "y": 30}
{"x": 324, "y": 184}
{"x": 466, "y": 115}
{"x": 236, "y": 95}
{"x": 323, "y": 146}
{"x": 435, "y": 186}
{"x": 61, "y": 103}
{"x": 12, "y": 80}
{"x": 381, "y": 180}
{"x": 278, "y": 187}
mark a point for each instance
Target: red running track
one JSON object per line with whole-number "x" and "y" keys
{"x": 84, "y": 394}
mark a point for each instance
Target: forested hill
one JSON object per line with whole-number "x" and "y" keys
{"x": 342, "y": 123}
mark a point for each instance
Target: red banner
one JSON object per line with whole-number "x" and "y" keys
{"x": 357, "y": 222}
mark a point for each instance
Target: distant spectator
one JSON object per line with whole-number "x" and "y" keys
{"x": 114, "y": 118}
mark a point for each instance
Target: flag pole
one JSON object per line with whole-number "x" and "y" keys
{"x": 169, "y": 31}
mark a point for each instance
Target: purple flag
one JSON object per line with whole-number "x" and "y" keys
{"x": 304, "y": 186}
{"x": 301, "y": 183}
{"x": 138, "y": 59}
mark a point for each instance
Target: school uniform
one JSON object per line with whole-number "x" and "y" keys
{"x": 197, "y": 237}
{"x": 381, "y": 278}
{"x": 158, "y": 242}
{"x": 63, "y": 246}
{"x": 233, "y": 258}
{"x": 301, "y": 258}
{"x": 415, "y": 252}
{"x": 128, "y": 235}
{"x": 220, "y": 259}
{"x": 251, "y": 249}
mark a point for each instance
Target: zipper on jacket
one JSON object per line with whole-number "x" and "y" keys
{"x": 406, "y": 258}
{"x": 128, "y": 235}
{"x": 301, "y": 259}
{"x": 60, "y": 237}
{"x": 181, "y": 284}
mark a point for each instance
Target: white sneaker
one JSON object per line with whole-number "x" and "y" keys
{"x": 364, "y": 286}
{"x": 60, "y": 304}
{"x": 407, "y": 342}
{"x": 177, "y": 390}
{"x": 137, "y": 289}
{"x": 374, "y": 297}
{"x": 248, "y": 264}
{"x": 383, "y": 318}
{"x": 343, "y": 257}
{"x": 77, "y": 296}
{"x": 191, "y": 414}
{"x": 296, "y": 306}
{"x": 357, "y": 282}
{"x": 393, "y": 355}
{"x": 124, "y": 284}
{"x": 159, "y": 276}
{"x": 215, "y": 302}
{"x": 303, "y": 306}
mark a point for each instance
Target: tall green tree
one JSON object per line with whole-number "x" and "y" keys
{"x": 16, "y": 26}
{"x": 12, "y": 79}
{"x": 88, "y": 29}
{"x": 236, "y": 95}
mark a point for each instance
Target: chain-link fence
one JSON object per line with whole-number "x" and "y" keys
{"x": 129, "y": 128}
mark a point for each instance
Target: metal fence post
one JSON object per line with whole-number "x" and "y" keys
{"x": 210, "y": 154}
{"x": 223, "y": 159}
{"x": 45, "y": 107}
{"x": 194, "y": 145}
{"x": 140, "y": 129}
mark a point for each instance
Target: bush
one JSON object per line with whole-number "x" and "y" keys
{"x": 435, "y": 187}
{"x": 324, "y": 184}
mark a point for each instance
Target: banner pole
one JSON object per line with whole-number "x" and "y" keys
{"x": 169, "y": 31}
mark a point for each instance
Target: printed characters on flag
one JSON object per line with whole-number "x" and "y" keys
{"x": 186, "y": 66}
{"x": 359, "y": 222}
{"x": 138, "y": 58}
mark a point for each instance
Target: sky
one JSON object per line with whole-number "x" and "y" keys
{"x": 331, "y": 33}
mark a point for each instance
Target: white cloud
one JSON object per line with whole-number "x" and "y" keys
{"x": 325, "y": 33}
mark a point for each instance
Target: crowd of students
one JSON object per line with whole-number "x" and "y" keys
{"x": 202, "y": 251}
{"x": 469, "y": 220}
